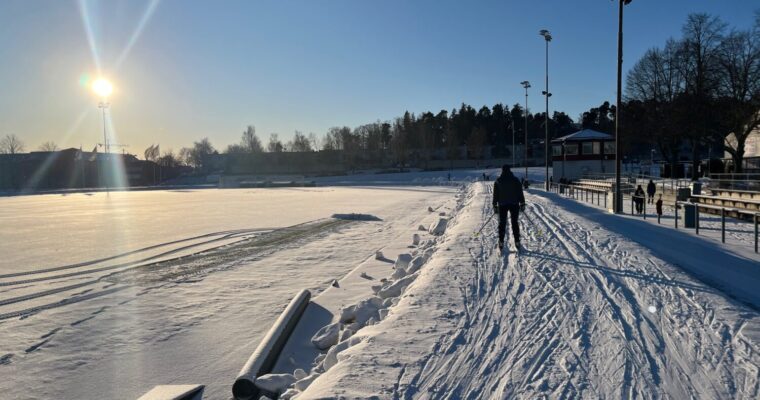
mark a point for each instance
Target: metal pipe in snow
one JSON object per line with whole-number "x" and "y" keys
{"x": 265, "y": 356}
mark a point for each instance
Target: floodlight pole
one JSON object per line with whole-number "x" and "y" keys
{"x": 618, "y": 206}
{"x": 548, "y": 38}
{"x": 103, "y": 105}
{"x": 513, "y": 140}
{"x": 526, "y": 85}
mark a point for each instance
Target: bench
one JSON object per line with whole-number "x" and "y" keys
{"x": 739, "y": 207}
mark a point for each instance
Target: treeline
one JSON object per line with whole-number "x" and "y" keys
{"x": 461, "y": 133}
{"x": 697, "y": 89}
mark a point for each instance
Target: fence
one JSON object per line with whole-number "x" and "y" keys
{"x": 664, "y": 184}
{"x": 580, "y": 193}
{"x": 723, "y": 211}
{"x": 599, "y": 197}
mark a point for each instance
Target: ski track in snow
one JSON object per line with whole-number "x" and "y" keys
{"x": 570, "y": 318}
{"x": 581, "y": 313}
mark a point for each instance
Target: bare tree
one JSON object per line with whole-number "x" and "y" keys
{"x": 299, "y": 143}
{"x": 49, "y": 146}
{"x": 739, "y": 89}
{"x": 314, "y": 141}
{"x": 275, "y": 145}
{"x": 250, "y": 142}
{"x": 152, "y": 153}
{"x": 199, "y": 152}
{"x": 11, "y": 144}
{"x": 700, "y": 51}
{"x": 168, "y": 159}
{"x": 184, "y": 155}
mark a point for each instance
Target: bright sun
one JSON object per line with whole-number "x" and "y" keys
{"x": 102, "y": 87}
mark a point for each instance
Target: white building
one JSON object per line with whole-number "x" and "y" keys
{"x": 583, "y": 152}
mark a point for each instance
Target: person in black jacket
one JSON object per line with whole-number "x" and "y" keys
{"x": 651, "y": 190}
{"x": 508, "y": 198}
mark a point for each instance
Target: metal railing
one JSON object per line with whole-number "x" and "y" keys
{"x": 589, "y": 195}
{"x": 663, "y": 184}
{"x": 599, "y": 197}
{"x": 730, "y": 182}
{"x": 723, "y": 212}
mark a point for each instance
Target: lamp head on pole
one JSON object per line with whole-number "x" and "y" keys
{"x": 525, "y": 84}
{"x": 545, "y": 33}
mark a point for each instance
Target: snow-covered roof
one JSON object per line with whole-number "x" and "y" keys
{"x": 585, "y": 134}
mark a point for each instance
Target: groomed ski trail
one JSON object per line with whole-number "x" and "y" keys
{"x": 580, "y": 312}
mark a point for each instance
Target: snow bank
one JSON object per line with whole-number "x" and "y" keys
{"x": 275, "y": 383}
{"x": 438, "y": 227}
{"x": 327, "y": 336}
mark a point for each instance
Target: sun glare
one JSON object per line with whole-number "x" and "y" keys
{"x": 102, "y": 87}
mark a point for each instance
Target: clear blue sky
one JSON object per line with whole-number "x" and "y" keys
{"x": 209, "y": 68}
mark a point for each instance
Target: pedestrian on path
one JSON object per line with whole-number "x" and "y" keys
{"x": 638, "y": 199}
{"x": 658, "y": 205}
{"x": 651, "y": 190}
{"x": 508, "y": 197}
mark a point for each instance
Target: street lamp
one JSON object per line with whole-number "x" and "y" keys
{"x": 103, "y": 88}
{"x": 526, "y": 85}
{"x": 548, "y": 38}
{"x": 618, "y": 206}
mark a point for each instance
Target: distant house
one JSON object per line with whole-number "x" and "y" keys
{"x": 584, "y": 152}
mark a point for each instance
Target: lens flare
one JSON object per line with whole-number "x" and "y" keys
{"x": 102, "y": 87}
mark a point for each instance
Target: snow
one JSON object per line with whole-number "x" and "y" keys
{"x": 592, "y": 308}
{"x": 438, "y": 227}
{"x": 192, "y": 320}
{"x": 275, "y": 383}
{"x": 596, "y": 306}
{"x": 327, "y": 336}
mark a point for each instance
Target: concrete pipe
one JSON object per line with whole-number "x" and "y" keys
{"x": 265, "y": 356}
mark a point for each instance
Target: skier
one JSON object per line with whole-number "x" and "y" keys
{"x": 508, "y": 198}
{"x": 651, "y": 190}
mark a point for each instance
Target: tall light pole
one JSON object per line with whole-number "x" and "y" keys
{"x": 526, "y": 85}
{"x": 513, "y": 139}
{"x": 103, "y": 88}
{"x": 618, "y": 200}
{"x": 547, "y": 38}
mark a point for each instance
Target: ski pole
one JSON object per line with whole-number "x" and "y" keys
{"x": 484, "y": 225}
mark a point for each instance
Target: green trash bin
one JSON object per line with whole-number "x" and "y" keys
{"x": 689, "y": 216}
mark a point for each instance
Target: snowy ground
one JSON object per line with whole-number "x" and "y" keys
{"x": 113, "y": 328}
{"x": 586, "y": 311}
{"x": 112, "y": 295}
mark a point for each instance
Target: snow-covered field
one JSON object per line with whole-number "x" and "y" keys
{"x": 597, "y": 306}
{"x": 114, "y": 328}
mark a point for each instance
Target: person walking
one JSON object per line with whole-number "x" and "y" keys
{"x": 638, "y": 199}
{"x": 658, "y": 205}
{"x": 651, "y": 190}
{"x": 508, "y": 197}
